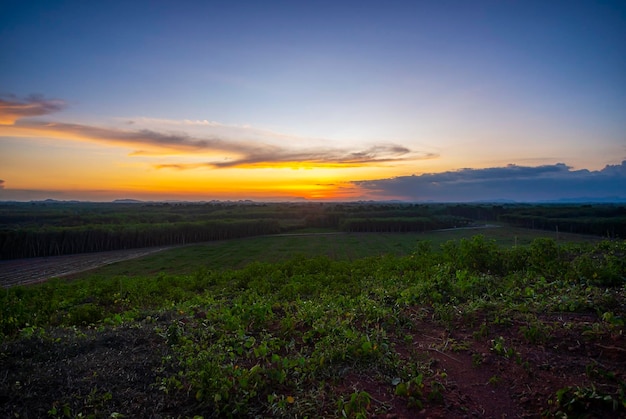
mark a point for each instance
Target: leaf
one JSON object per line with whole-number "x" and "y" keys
{"x": 402, "y": 390}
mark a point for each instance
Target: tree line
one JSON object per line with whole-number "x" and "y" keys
{"x": 54, "y": 241}
{"x": 614, "y": 227}
{"x": 401, "y": 225}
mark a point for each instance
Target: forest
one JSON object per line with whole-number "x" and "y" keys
{"x": 51, "y": 228}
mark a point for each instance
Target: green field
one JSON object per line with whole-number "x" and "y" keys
{"x": 328, "y": 325}
{"x": 346, "y": 246}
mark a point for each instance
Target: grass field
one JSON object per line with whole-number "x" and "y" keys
{"x": 342, "y": 246}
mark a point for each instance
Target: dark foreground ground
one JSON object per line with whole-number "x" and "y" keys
{"x": 117, "y": 371}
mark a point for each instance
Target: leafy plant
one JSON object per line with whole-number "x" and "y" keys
{"x": 357, "y": 406}
{"x": 498, "y": 346}
{"x": 412, "y": 390}
{"x": 581, "y": 399}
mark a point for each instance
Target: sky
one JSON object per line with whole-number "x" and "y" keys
{"x": 448, "y": 101}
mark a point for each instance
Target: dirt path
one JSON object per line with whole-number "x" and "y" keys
{"x": 33, "y": 270}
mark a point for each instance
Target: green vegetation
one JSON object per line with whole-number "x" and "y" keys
{"x": 58, "y": 228}
{"x": 238, "y": 253}
{"x": 600, "y": 220}
{"x": 322, "y": 333}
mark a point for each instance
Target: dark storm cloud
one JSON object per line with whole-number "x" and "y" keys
{"x": 518, "y": 183}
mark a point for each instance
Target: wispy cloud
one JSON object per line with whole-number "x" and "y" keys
{"x": 271, "y": 156}
{"x": 219, "y": 146}
{"x": 12, "y": 108}
{"x": 519, "y": 183}
{"x": 1, "y": 184}
{"x": 241, "y": 132}
{"x": 138, "y": 137}
{"x": 176, "y": 122}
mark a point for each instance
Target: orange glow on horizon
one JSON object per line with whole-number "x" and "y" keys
{"x": 283, "y": 193}
{"x": 101, "y": 163}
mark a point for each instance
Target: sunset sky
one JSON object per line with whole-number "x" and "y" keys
{"x": 316, "y": 100}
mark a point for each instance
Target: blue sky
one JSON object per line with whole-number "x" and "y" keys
{"x": 331, "y": 95}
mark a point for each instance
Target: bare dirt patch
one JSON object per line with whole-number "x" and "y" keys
{"x": 505, "y": 372}
{"x": 34, "y": 270}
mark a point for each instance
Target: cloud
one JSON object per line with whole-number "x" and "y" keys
{"x": 242, "y": 132}
{"x": 272, "y": 156}
{"x": 220, "y": 146}
{"x": 139, "y": 137}
{"x": 518, "y": 183}
{"x": 1, "y": 184}
{"x": 176, "y": 122}
{"x": 379, "y": 154}
{"x": 12, "y": 109}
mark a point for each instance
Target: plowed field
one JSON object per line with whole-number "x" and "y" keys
{"x": 33, "y": 270}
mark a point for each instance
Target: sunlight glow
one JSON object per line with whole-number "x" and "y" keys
{"x": 280, "y": 102}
